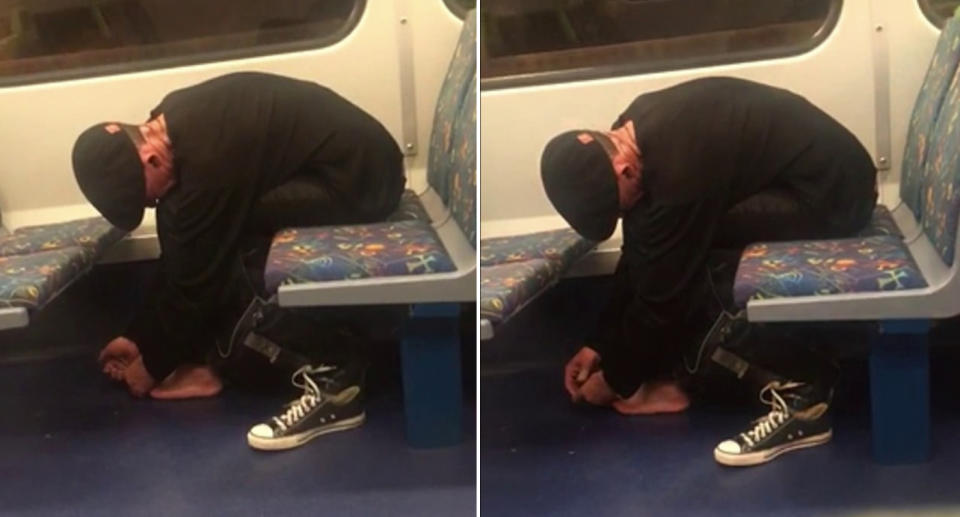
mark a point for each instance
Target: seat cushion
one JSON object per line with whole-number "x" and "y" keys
{"x": 409, "y": 209}
{"x": 94, "y": 233}
{"x": 564, "y": 246}
{"x": 882, "y": 223}
{"x": 328, "y": 253}
{"x": 34, "y": 279}
{"x": 808, "y": 268}
{"x": 506, "y": 288}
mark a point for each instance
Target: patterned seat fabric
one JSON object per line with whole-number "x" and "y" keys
{"x": 515, "y": 269}
{"x": 409, "y": 209}
{"x": 809, "y": 268}
{"x": 926, "y": 110}
{"x": 564, "y": 246}
{"x": 453, "y": 91}
{"x": 32, "y": 280}
{"x": 882, "y": 223}
{"x": 328, "y": 253}
{"x": 463, "y": 175}
{"x": 506, "y": 288}
{"x": 941, "y": 181}
{"x": 94, "y": 233}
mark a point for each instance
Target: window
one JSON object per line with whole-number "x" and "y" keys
{"x": 938, "y": 11}
{"x": 460, "y": 7}
{"x": 58, "y": 39}
{"x": 543, "y": 41}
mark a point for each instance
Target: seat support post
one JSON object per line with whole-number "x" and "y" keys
{"x": 900, "y": 392}
{"x": 432, "y": 389}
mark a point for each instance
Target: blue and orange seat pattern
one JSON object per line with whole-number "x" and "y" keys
{"x": 810, "y": 268}
{"x": 332, "y": 253}
{"x": 38, "y": 262}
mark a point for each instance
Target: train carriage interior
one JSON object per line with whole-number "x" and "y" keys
{"x": 75, "y": 442}
{"x": 437, "y": 321}
{"x": 548, "y": 67}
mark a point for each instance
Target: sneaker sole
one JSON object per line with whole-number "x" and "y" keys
{"x": 756, "y": 458}
{"x": 296, "y": 440}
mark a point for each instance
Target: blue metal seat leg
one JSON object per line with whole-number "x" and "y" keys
{"x": 432, "y": 389}
{"x": 900, "y": 392}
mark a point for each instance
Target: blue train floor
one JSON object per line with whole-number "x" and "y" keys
{"x": 72, "y": 443}
{"x": 541, "y": 455}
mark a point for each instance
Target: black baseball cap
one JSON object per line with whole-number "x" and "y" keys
{"x": 110, "y": 174}
{"x": 579, "y": 179}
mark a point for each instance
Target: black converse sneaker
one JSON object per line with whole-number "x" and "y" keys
{"x": 795, "y": 422}
{"x": 336, "y": 407}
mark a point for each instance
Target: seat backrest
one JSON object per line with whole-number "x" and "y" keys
{"x": 926, "y": 109}
{"x": 463, "y": 171}
{"x": 941, "y": 176}
{"x": 444, "y": 140}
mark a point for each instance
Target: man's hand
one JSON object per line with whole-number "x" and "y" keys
{"x": 596, "y": 391}
{"x": 117, "y": 356}
{"x": 578, "y": 371}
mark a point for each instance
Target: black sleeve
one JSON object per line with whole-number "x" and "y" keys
{"x": 199, "y": 237}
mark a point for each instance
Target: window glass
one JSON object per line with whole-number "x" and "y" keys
{"x": 460, "y": 7}
{"x": 53, "y": 39}
{"x": 938, "y": 11}
{"x": 540, "y": 41}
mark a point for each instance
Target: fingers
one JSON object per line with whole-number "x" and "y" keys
{"x": 114, "y": 369}
{"x": 583, "y": 375}
{"x": 571, "y": 382}
{"x": 596, "y": 391}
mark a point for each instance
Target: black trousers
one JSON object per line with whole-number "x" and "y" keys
{"x": 659, "y": 310}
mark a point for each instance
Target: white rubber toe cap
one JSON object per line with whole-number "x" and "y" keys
{"x": 262, "y": 431}
{"x": 729, "y": 447}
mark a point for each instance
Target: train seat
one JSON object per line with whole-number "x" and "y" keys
{"x": 406, "y": 244}
{"x": 39, "y": 262}
{"x": 901, "y": 282}
{"x": 817, "y": 268}
{"x": 357, "y": 251}
{"x": 515, "y": 270}
{"x": 430, "y": 266}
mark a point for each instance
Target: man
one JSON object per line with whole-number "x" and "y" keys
{"x": 709, "y": 164}
{"x": 226, "y": 163}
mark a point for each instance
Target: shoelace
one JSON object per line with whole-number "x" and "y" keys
{"x": 309, "y": 400}
{"x": 765, "y": 425}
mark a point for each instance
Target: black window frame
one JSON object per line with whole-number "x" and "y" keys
{"x": 619, "y": 70}
{"x": 353, "y": 20}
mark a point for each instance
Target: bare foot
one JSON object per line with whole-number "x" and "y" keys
{"x": 188, "y": 381}
{"x": 654, "y": 397}
{"x": 138, "y": 380}
{"x": 117, "y": 356}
